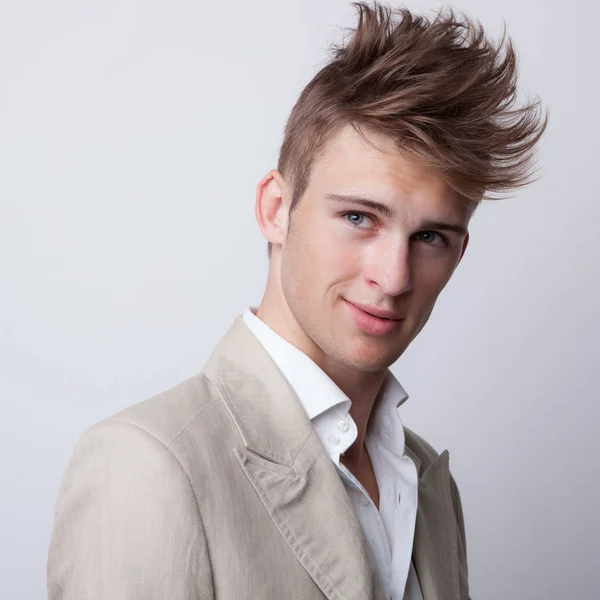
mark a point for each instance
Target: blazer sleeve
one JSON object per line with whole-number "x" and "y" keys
{"x": 127, "y": 524}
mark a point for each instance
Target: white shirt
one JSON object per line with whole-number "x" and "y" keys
{"x": 390, "y": 530}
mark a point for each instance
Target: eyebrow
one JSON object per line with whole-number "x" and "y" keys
{"x": 390, "y": 213}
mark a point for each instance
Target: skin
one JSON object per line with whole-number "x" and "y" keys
{"x": 333, "y": 250}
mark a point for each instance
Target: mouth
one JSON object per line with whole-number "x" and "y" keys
{"x": 373, "y": 324}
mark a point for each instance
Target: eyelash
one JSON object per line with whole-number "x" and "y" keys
{"x": 362, "y": 214}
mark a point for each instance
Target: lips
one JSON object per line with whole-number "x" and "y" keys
{"x": 378, "y": 312}
{"x": 370, "y": 323}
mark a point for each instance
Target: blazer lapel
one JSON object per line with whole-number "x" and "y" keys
{"x": 435, "y": 547}
{"x": 289, "y": 469}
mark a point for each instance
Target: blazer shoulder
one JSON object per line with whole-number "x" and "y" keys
{"x": 168, "y": 414}
{"x": 127, "y": 522}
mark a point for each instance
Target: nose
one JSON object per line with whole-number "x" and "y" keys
{"x": 389, "y": 269}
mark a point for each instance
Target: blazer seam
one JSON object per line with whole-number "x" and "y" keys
{"x": 229, "y": 405}
{"x": 192, "y": 421}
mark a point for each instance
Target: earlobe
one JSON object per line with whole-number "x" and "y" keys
{"x": 271, "y": 208}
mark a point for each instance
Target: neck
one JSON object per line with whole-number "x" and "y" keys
{"x": 362, "y": 388}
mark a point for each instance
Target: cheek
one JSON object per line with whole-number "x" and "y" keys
{"x": 433, "y": 271}
{"x": 430, "y": 278}
{"x": 341, "y": 262}
{"x": 322, "y": 252}
{"x": 334, "y": 257}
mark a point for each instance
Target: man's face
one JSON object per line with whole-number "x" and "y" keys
{"x": 341, "y": 253}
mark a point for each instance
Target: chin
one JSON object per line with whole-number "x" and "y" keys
{"x": 368, "y": 362}
{"x": 378, "y": 361}
{"x": 374, "y": 366}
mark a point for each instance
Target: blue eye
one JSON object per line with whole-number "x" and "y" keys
{"x": 429, "y": 237}
{"x": 357, "y": 222}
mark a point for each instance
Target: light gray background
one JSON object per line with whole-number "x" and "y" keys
{"x": 132, "y": 136}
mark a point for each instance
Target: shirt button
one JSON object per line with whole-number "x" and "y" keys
{"x": 333, "y": 439}
{"x": 343, "y": 426}
{"x": 364, "y": 501}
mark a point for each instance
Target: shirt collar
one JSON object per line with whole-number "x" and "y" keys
{"x": 386, "y": 423}
{"x": 391, "y": 397}
{"x": 315, "y": 389}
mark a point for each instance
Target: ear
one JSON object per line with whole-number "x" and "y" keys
{"x": 272, "y": 207}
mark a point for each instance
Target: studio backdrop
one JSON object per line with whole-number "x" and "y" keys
{"x": 132, "y": 136}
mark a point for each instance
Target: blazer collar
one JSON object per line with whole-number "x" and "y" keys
{"x": 302, "y": 491}
{"x": 267, "y": 413}
{"x": 315, "y": 390}
{"x": 289, "y": 469}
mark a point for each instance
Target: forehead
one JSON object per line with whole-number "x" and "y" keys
{"x": 374, "y": 167}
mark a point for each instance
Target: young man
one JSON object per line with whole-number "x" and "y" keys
{"x": 283, "y": 469}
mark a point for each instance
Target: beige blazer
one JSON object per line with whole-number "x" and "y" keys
{"x": 220, "y": 488}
